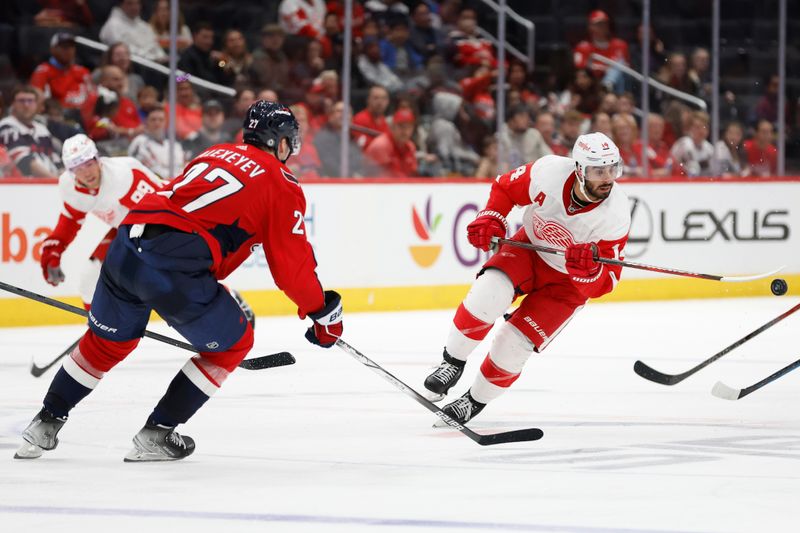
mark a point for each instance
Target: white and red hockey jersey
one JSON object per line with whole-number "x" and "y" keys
{"x": 123, "y": 183}
{"x": 551, "y": 219}
{"x": 302, "y": 17}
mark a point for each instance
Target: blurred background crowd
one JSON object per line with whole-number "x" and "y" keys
{"x": 424, "y": 91}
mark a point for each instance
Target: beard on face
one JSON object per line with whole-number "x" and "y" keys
{"x": 599, "y": 191}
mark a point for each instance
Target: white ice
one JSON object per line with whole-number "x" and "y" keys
{"x": 327, "y": 445}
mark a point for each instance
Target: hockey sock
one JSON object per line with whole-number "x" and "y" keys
{"x": 489, "y": 297}
{"x": 64, "y": 393}
{"x": 182, "y": 400}
{"x": 502, "y": 366}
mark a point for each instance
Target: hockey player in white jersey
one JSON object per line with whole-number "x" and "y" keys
{"x": 104, "y": 186}
{"x": 572, "y": 204}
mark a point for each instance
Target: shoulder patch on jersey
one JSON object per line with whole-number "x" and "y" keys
{"x": 289, "y": 177}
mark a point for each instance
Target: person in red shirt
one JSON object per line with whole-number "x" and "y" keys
{"x": 125, "y": 122}
{"x": 601, "y": 42}
{"x": 372, "y": 118}
{"x": 169, "y": 255}
{"x": 394, "y": 153}
{"x": 761, "y": 153}
{"x": 59, "y": 77}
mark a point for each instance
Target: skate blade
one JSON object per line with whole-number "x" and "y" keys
{"x": 28, "y": 451}
{"x": 139, "y": 456}
{"x": 432, "y": 396}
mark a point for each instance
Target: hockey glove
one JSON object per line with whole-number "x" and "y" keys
{"x": 51, "y": 261}
{"x": 581, "y": 260}
{"x": 486, "y": 225}
{"x": 327, "y": 326}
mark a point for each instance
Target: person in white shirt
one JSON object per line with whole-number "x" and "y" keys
{"x": 152, "y": 147}
{"x": 692, "y": 153}
{"x": 125, "y": 25}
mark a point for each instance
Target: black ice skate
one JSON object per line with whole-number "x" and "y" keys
{"x": 41, "y": 434}
{"x": 461, "y": 410}
{"x": 159, "y": 443}
{"x": 444, "y": 377}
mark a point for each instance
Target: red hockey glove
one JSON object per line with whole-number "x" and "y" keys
{"x": 327, "y": 326}
{"x": 581, "y": 260}
{"x": 51, "y": 261}
{"x": 487, "y": 224}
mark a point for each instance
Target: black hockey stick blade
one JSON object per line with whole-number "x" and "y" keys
{"x": 37, "y": 371}
{"x": 725, "y": 392}
{"x": 519, "y": 435}
{"x": 268, "y": 361}
{"x": 655, "y": 376}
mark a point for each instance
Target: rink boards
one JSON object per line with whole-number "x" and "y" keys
{"x": 397, "y": 245}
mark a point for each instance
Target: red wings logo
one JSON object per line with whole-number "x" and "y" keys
{"x": 552, "y": 232}
{"x": 605, "y": 146}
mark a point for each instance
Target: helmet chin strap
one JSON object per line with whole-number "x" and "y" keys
{"x": 581, "y": 181}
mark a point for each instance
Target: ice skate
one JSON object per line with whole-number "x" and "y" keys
{"x": 444, "y": 377}
{"x": 41, "y": 434}
{"x": 159, "y": 443}
{"x": 461, "y": 410}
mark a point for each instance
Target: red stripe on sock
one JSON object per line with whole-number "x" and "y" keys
{"x": 496, "y": 375}
{"x": 473, "y": 328}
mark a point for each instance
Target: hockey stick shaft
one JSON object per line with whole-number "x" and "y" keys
{"x": 671, "y": 379}
{"x": 37, "y": 371}
{"x": 483, "y": 440}
{"x": 723, "y": 391}
{"x": 280, "y": 358}
{"x": 639, "y": 266}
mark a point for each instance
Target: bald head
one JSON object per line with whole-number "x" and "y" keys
{"x": 112, "y": 77}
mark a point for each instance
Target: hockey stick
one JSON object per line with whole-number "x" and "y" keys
{"x": 520, "y": 435}
{"x": 725, "y": 392}
{"x": 640, "y": 266}
{"x": 671, "y": 379}
{"x": 37, "y": 371}
{"x": 257, "y": 363}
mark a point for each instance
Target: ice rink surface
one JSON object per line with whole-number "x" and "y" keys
{"x": 327, "y": 445}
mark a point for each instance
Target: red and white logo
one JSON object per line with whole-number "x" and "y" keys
{"x": 552, "y": 232}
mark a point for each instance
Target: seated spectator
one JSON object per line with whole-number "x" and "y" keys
{"x": 385, "y": 11}
{"x": 64, "y": 14}
{"x": 488, "y": 164}
{"x": 445, "y": 140}
{"x": 201, "y": 60}
{"x": 397, "y": 52}
{"x": 624, "y": 134}
{"x": 328, "y": 142}
{"x": 730, "y": 152}
{"x": 305, "y": 69}
{"x": 658, "y": 151}
{"x": 375, "y": 71}
{"x": 656, "y": 51}
{"x": 700, "y": 72}
{"x": 151, "y": 147}
{"x": 236, "y": 58}
{"x": 602, "y": 43}
{"x": 146, "y": 99}
{"x": 120, "y": 55}
{"x": 692, "y": 153}
{"x": 60, "y": 127}
{"x": 210, "y": 132}
{"x": 331, "y": 39}
{"x": 270, "y": 67}
{"x": 425, "y": 38}
{"x": 518, "y": 80}
{"x": 245, "y": 97}
{"x": 372, "y": 118}
{"x": 767, "y": 105}
{"x": 467, "y": 46}
{"x": 306, "y": 164}
{"x": 302, "y": 17}
{"x": 545, "y": 124}
{"x": 125, "y": 25}
{"x": 59, "y": 77}
{"x": 584, "y": 93}
{"x": 568, "y": 132}
{"x": 188, "y": 112}
{"x": 601, "y": 122}
{"x": 678, "y": 119}
{"x": 762, "y": 155}
{"x": 676, "y": 75}
{"x": 159, "y": 21}
{"x": 125, "y": 122}
{"x": 359, "y": 21}
{"x": 520, "y": 143}
{"x": 268, "y": 95}
{"x": 29, "y": 144}
{"x": 609, "y": 104}
{"x": 394, "y": 154}
{"x": 626, "y": 103}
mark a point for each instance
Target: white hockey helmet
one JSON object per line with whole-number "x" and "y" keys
{"x": 595, "y": 150}
{"x": 77, "y": 150}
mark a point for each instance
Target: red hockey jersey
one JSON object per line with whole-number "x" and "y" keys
{"x": 237, "y": 196}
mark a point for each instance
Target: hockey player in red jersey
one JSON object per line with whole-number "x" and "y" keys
{"x": 572, "y": 204}
{"x": 107, "y": 187}
{"x": 168, "y": 256}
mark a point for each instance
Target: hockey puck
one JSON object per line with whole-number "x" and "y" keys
{"x": 778, "y": 287}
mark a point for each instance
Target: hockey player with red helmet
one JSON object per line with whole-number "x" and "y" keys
{"x": 571, "y": 204}
{"x": 170, "y": 252}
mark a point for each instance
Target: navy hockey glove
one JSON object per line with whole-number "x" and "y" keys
{"x": 328, "y": 325}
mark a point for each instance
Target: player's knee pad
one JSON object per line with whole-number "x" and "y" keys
{"x": 489, "y": 296}
{"x": 510, "y": 349}
{"x": 97, "y": 355}
{"x": 88, "y": 280}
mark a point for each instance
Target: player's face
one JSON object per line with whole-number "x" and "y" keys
{"x": 284, "y": 151}
{"x": 88, "y": 174}
{"x": 600, "y": 181}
